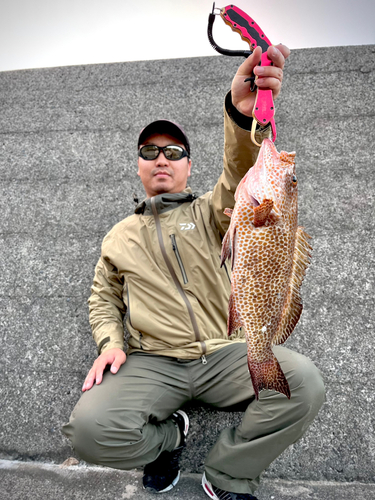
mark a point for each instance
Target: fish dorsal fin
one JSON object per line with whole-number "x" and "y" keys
{"x": 262, "y": 212}
{"x": 293, "y": 304}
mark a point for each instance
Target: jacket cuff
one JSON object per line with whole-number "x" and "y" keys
{"x": 109, "y": 337}
{"x": 107, "y": 344}
{"x": 243, "y": 121}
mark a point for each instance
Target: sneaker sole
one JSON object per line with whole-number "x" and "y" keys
{"x": 207, "y": 487}
{"x": 168, "y": 488}
{"x": 186, "y": 420}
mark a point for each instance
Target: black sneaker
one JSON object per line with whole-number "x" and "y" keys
{"x": 163, "y": 474}
{"x": 218, "y": 494}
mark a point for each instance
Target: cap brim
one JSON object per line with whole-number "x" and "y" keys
{"x": 164, "y": 127}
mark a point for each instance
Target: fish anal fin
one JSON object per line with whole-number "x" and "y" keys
{"x": 293, "y": 304}
{"x": 268, "y": 375}
{"x": 228, "y": 211}
{"x": 234, "y": 321}
{"x": 262, "y": 212}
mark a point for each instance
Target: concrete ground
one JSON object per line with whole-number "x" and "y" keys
{"x": 22, "y": 480}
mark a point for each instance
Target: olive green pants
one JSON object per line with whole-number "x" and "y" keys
{"x": 124, "y": 422}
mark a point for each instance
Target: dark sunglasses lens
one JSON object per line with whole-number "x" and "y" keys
{"x": 173, "y": 152}
{"x": 149, "y": 152}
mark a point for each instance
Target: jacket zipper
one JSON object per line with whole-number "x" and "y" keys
{"x": 176, "y": 281}
{"x": 179, "y": 260}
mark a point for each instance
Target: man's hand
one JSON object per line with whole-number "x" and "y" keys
{"x": 267, "y": 77}
{"x": 114, "y": 357}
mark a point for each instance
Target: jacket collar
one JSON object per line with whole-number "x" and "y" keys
{"x": 165, "y": 202}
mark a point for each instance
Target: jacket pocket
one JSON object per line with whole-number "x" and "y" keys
{"x": 179, "y": 260}
{"x": 128, "y": 318}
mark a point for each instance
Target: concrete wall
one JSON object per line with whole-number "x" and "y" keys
{"x": 68, "y": 174}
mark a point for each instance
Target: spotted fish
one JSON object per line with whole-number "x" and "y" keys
{"x": 270, "y": 254}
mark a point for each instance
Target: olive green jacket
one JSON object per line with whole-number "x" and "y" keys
{"x": 160, "y": 271}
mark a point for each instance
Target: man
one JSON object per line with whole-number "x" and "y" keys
{"x": 160, "y": 272}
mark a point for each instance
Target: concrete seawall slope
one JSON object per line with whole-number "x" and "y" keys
{"x": 68, "y": 174}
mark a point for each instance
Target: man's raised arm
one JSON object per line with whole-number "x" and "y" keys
{"x": 240, "y": 153}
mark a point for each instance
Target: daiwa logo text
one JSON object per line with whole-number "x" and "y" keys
{"x": 185, "y": 226}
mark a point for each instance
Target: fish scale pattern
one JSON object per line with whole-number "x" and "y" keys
{"x": 270, "y": 254}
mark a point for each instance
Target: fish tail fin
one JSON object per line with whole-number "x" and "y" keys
{"x": 268, "y": 375}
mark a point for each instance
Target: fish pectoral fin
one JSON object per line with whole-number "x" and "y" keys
{"x": 234, "y": 320}
{"x": 228, "y": 211}
{"x": 226, "y": 248}
{"x": 268, "y": 375}
{"x": 227, "y": 244}
{"x": 262, "y": 212}
{"x": 293, "y": 304}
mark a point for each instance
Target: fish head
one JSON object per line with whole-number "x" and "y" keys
{"x": 273, "y": 177}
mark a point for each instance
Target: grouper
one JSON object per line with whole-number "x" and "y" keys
{"x": 270, "y": 254}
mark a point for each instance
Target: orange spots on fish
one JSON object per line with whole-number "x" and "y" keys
{"x": 270, "y": 254}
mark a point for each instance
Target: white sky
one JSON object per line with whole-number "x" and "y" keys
{"x": 46, "y": 33}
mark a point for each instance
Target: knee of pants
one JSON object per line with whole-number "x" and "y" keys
{"x": 95, "y": 435}
{"x": 305, "y": 381}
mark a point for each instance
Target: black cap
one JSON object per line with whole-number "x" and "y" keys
{"x": 165, "y": 127}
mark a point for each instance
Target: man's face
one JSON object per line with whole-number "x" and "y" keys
{"x": 161, "y": 175}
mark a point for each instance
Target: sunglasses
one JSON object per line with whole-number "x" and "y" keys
{"x": 172, "y": 152}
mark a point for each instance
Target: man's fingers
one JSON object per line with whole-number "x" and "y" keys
{"x": 249, "y": 64}
{"x": 94, "y": 375}
{"x": 269, "y": 72}
{"x": 269, "y": 83}
{"x": 267, "y": 77}
{"x": 99, "y": 376}
{"x": 89, "y": 382}
{"x": 278, "y": 54}
{"x": 284, "y": 50}
{"x": 114, "y": 357}
{"x": 119, "y": 360}
{"x": 114, "y": 368}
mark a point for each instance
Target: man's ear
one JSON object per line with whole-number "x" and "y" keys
{"x": 189, "y": 171}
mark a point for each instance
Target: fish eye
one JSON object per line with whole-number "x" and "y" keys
{"x": 294, "y": 179}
